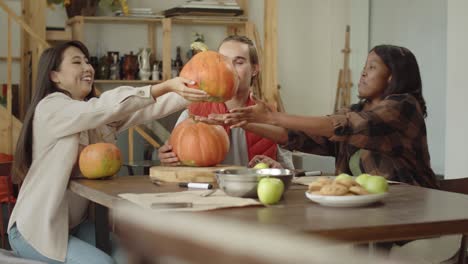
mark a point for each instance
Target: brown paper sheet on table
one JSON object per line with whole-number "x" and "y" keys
{"x": 216, "y": 200}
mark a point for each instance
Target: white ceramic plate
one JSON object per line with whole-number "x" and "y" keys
{"x": 346, "y": 201}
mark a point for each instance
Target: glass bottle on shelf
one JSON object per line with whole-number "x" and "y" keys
{"x": 155, "y": 72}
{"x": 103, "y": 68}
{"x": 160, "y": 66}
{"x": 174, "y": 72}
{"x": 114, "y": 68}
{"x": 178, "y": 63}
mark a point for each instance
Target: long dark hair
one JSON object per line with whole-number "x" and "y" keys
{"x": 405, "y": 72}
{"x": 50, "y": 60}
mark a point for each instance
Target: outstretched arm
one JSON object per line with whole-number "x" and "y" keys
{"x": 261, "y": 113}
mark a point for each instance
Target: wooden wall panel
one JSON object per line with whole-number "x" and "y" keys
{"x": 270, "y": 59}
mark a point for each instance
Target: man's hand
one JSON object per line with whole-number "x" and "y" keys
{"x": 265, "y": 159}
{"x": 166, "y": 156}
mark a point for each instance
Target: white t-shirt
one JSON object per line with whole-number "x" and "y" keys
{"x": 238, "y": 154}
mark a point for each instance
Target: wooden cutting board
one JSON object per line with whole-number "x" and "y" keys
{"x": 187, "y": 174}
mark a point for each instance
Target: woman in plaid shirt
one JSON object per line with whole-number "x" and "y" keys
{"x": 384, "y": 134}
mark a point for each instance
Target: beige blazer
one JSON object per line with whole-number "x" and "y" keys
{"x": 43, "y": 207}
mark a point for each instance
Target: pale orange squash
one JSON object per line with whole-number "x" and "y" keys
{"x": 214, "y": 73}
{"x": 100, "y": 160}
{"x": 199, "y": 144}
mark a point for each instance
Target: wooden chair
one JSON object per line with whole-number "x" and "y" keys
{"x": 458, "y": 186}
{"x": 7, "y": 197}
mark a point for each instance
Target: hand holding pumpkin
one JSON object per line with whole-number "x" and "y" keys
{"x": 166, "y": 156}
{"x": 179, "y": 85}
{"x": 213, "y": 73}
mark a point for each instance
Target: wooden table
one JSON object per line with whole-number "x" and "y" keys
{"x": 409, "y": 212}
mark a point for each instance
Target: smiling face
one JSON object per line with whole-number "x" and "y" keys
{"x": 238, "y": 52}
{"x": 375, "y": 78}
{"x": 74, "y": 74}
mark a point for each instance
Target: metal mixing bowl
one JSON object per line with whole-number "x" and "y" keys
{"x": 243, "y": 182}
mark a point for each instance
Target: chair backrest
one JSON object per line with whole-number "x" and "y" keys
{"x": 455, "y": 185}
{"x": 458, "y": 186}
{"x": 5, "y": 168}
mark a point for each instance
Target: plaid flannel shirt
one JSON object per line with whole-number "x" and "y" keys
{"x": 392, "y": 138}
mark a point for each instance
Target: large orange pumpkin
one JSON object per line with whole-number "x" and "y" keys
{"x": 100, "y": 160}
{"x": 199, "y": 144}
{"x": 214, "y": 73}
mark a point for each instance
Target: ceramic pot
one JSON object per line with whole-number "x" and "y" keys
{"x": 81, "y": 8}
{"x": 144, "y": 62}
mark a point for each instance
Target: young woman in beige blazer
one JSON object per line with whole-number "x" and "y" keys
{"x": 64, "y": 116}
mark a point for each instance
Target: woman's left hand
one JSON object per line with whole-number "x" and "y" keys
{"x": 179, "y": 86}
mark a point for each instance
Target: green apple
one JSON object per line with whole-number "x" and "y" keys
{"x": 362, "y": 179}
{"x": 270, "y": 190}
{"x": 376, "y": 184}
{"x": 343, "y": 176}
{"x": 261, "y": 165}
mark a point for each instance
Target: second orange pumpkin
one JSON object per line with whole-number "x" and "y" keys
{"x": 214, "y": 73}
{"x": 199, "y": 144}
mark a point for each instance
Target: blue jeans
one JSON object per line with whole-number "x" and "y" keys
{"x": 81, "y": 247}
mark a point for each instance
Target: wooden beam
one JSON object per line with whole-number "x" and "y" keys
{"x": 25, "y": 81}
{"x": 12, "y": 58}
{"x": 209, "y": 20}
{"x": 244, "y": 5}
{"x": 166, "y": 55}
{"x": 147, "y": 137}
{"x": 249, "y": 30}
{"x": 23, "y": 25}
{"x": 37, "y": 21}
{"x": 77, "y": 29}
{"x": 152, "y": 40}
{"x": 257, "y": 88}
{"x": 270, "y": 59}
{"x": 9, "y": 91}
{"x": 58, "y": 35}
{"x": 113, "y": 20}
{"x": 258, "y": 44}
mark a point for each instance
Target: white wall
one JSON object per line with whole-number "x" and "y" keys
{"x": 456, "y": 156}
{"x": 311, "y": 35}
{"x": 420, "y": 25}
{"x": 310, "y": 39}
{"x": 359, "y": 16}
